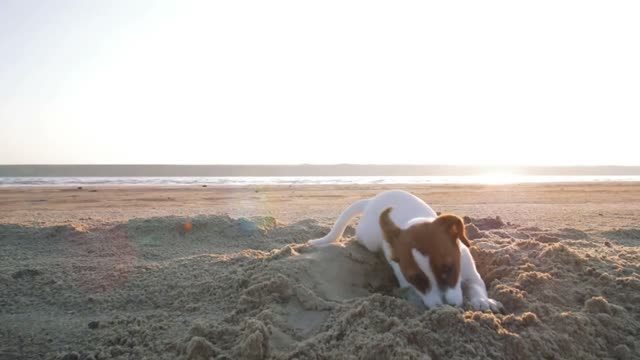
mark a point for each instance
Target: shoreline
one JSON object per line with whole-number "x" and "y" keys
{"x": 515, "y": 183}
{"x": 353, "y": 185}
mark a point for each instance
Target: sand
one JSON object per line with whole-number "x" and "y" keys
{"x": 110, "y": 273}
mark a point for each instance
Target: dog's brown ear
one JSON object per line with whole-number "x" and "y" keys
{"x": 390, "y": 231}
{"x": 454, "y": 227}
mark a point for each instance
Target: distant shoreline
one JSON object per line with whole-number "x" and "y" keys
{"x": 304, "y": 170}
{"x": 232, "y": 181}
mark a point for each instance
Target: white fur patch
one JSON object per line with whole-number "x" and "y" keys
{"x": 433, "y": 297}
{"x": 424, "y": 264}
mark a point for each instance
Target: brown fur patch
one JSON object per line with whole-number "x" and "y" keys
{"x": 390, "y": 231}
{"x": 420, "y": 281}
{"x": 455, "y": 227}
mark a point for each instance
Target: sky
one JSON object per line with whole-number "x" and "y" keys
{"x": 323, "y": 82}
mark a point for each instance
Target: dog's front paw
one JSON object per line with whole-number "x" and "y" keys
{"x": 432, "y": 300}
{"x": 453, "y": 296}
{"x": 479, "y": 304}
{"x": 496, "y": 306}
{"x": 484, "y": 304}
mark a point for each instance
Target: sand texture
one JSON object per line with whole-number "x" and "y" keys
{"x": 113, "y": 274}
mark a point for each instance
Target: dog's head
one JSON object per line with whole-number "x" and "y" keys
{"x": 427, "y": 247}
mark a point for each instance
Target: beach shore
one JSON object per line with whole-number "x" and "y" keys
{"x": 111, "y": 272}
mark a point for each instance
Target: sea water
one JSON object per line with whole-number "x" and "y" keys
{"x": 309, "y": 180}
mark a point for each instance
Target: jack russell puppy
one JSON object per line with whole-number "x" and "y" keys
{"x": 428, "y": 253}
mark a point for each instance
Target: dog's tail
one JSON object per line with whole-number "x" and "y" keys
{"x": 338, "y": 228}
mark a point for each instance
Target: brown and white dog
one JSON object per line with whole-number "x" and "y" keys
{"x": 428, "y": 253}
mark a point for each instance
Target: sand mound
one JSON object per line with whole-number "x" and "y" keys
{"x": 487, "y": 223}
{"x": 250, "y": 289}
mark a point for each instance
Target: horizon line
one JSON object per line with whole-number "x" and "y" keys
{"x": 329, "y": 164}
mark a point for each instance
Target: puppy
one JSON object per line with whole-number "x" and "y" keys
{"x": 428, "y": 253}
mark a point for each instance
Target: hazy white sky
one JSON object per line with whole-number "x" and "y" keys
{"x": 204, "y": 82}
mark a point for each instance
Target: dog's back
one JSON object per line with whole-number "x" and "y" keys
{"x": 406, "y": 207}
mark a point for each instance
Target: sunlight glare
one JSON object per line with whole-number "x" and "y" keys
{"x": 502, "y": 178}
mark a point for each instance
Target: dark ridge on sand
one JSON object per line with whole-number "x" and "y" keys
{"x": 302, "y": 170}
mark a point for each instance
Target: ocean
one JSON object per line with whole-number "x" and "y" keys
{"x": 308, "y": 180}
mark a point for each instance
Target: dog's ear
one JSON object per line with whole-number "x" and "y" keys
{"x": 454, "y": 226}
{"x": 390, "y": 231}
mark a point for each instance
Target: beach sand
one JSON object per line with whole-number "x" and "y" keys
{"x": 111, "y": 273}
